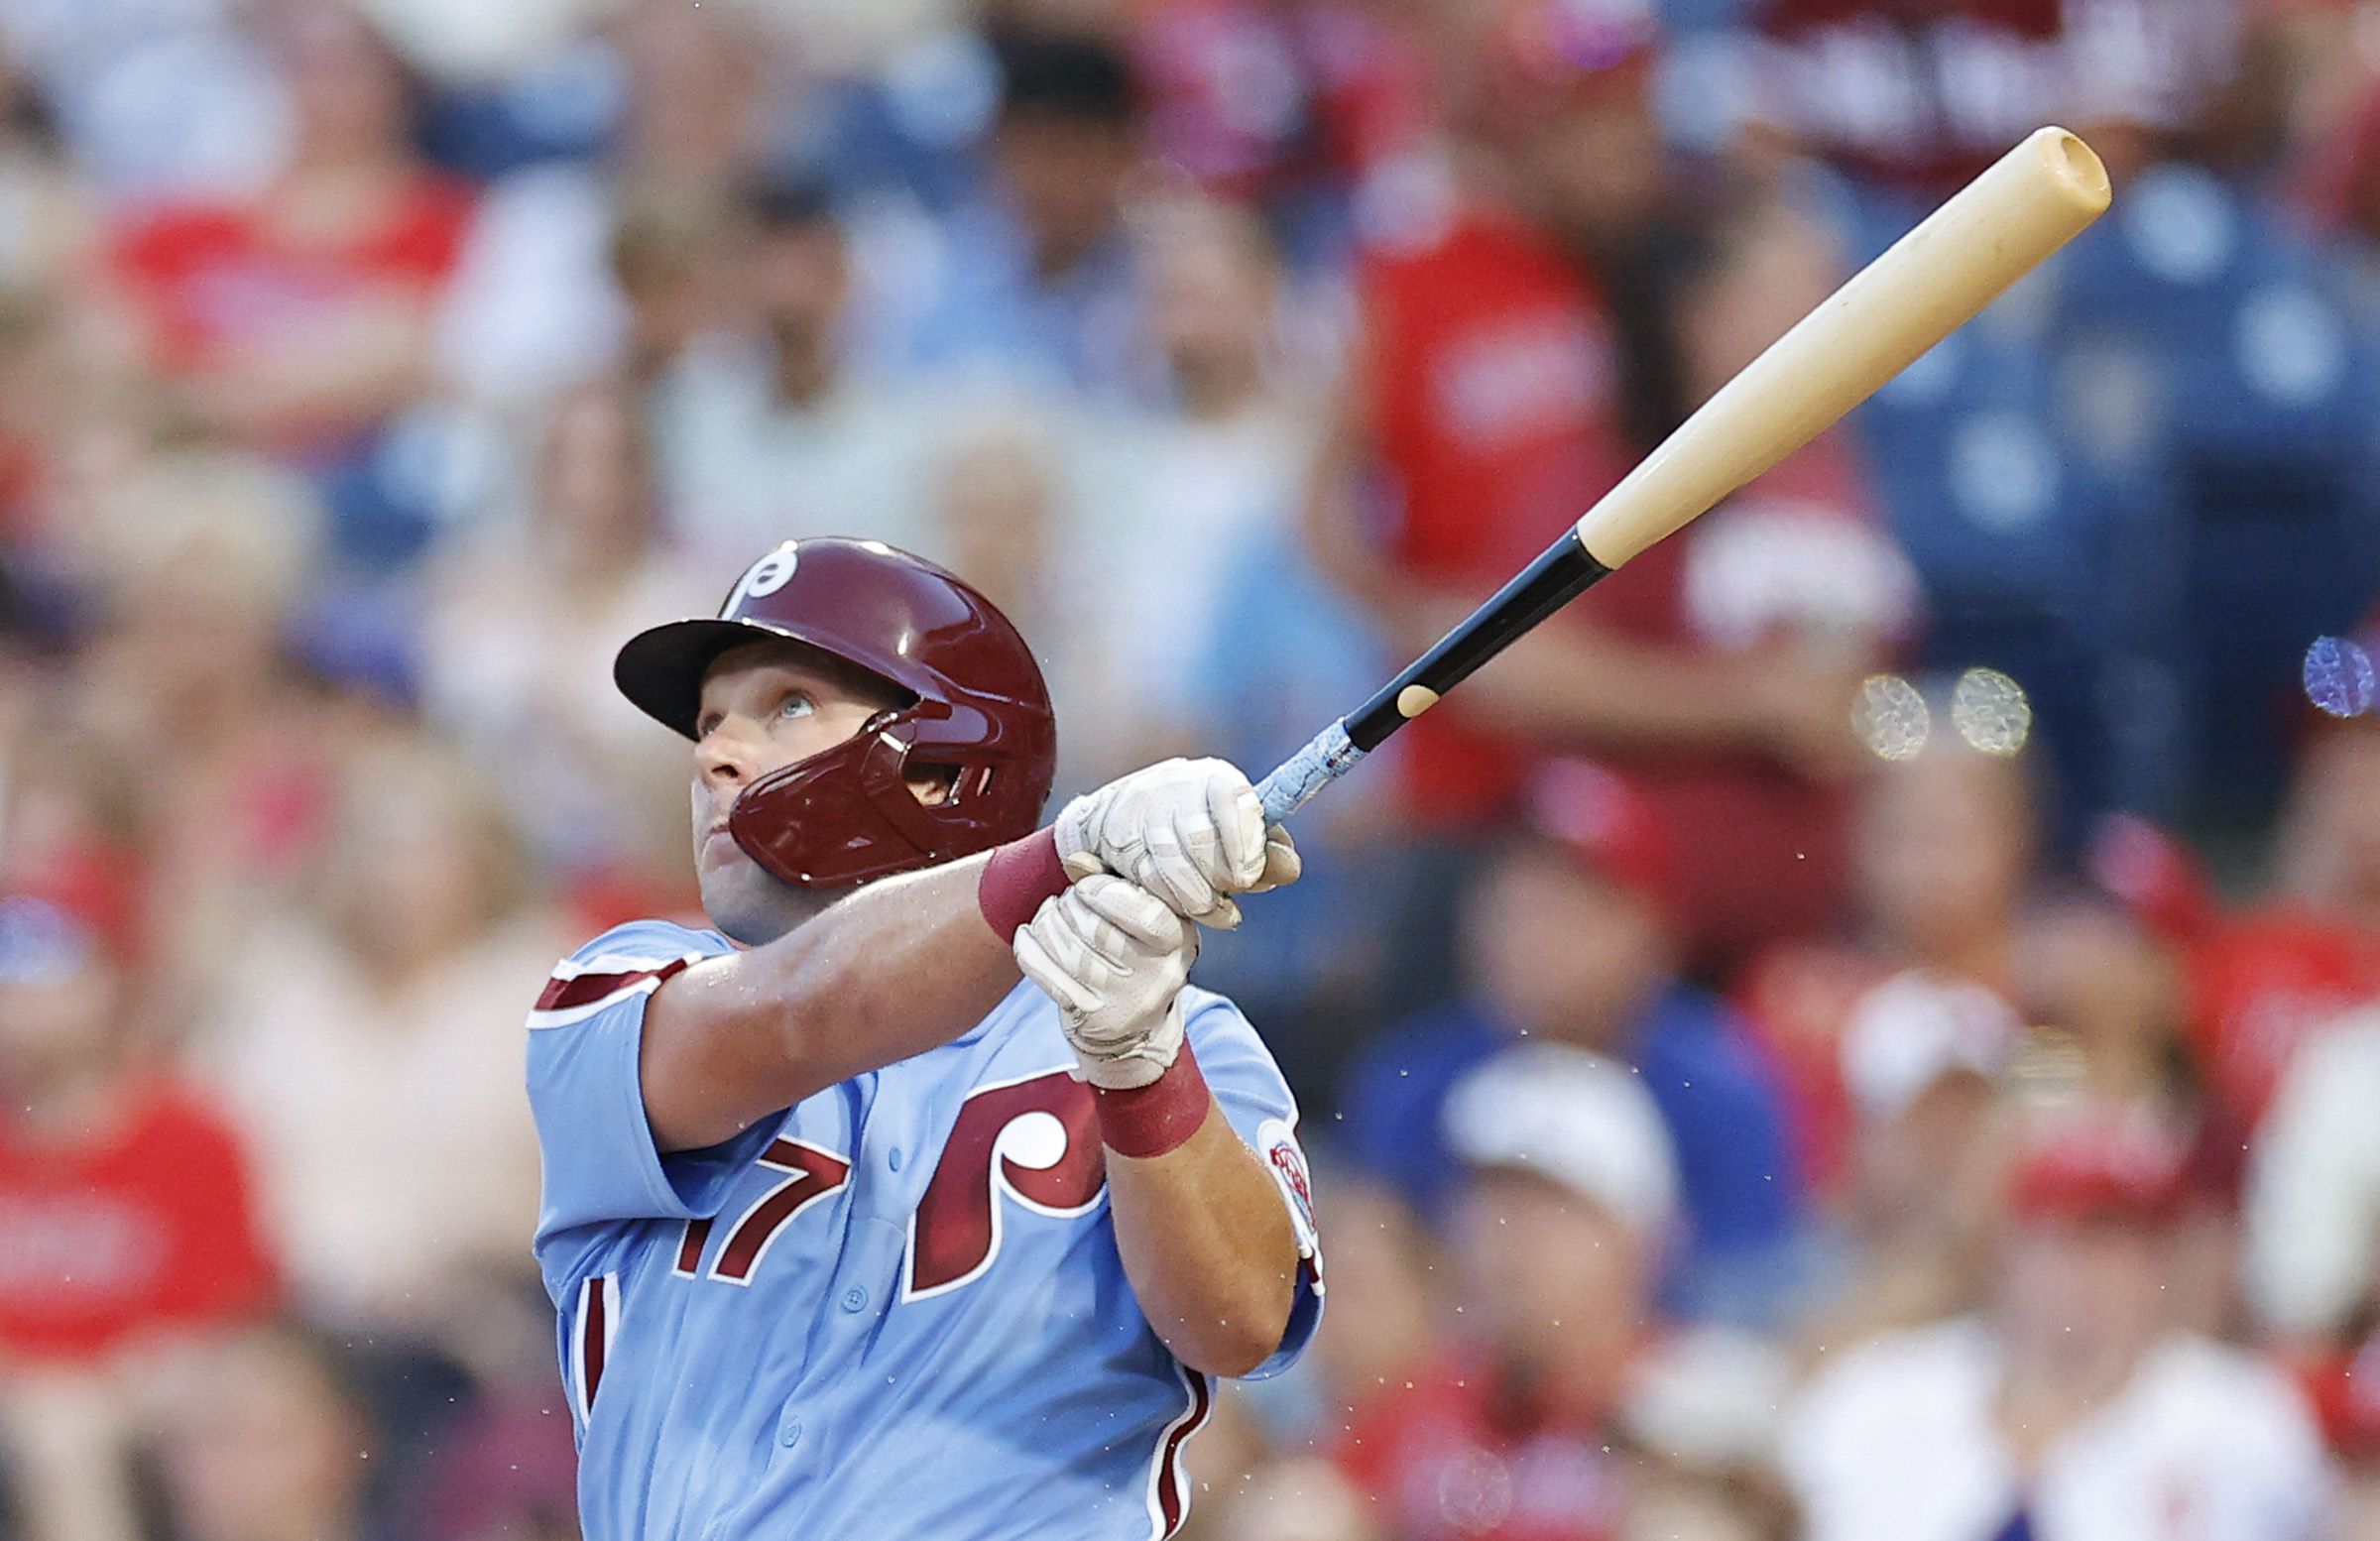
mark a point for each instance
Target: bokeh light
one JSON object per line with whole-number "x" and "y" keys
{"x": 1892, "y": 717}
{"x": 2338, "y": 677}
{"x": 1990, "y": 712}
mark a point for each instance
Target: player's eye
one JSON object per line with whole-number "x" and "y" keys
{"x": 705, "y": 725}
{"x": 798, "y": 705}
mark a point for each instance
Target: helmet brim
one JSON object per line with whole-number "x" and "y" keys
{"x": 660, "y": 668}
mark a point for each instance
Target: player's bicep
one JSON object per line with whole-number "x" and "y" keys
{"x": 584, "y": 1065}
{"x": 714, "y": 1059}
{"x": 1256, "y": 1101}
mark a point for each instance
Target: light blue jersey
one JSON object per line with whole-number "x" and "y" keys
{"x": 894, "y": 1311}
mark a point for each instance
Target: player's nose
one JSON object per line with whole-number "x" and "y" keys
{"x": 725, "y": 755}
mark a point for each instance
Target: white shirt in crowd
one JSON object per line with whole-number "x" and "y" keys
{"x": 740, "y": 469}
{"x": 1898, "y": 1443}
{"x": 384, "y": 1212}
{"x": 1178, "y": 508}
{"x": 2313, "y": 1207}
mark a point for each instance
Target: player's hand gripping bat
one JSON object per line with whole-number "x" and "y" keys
{"x": 1935, "y": 278}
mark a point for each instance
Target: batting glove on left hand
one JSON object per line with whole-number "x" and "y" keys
{"x": 1114, "y": 957}
{"x": 1189, "y": 831}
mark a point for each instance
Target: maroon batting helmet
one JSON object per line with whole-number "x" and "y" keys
{"x": 974, "y": 709}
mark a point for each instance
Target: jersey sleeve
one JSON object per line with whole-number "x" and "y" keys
{"x": 584, "y": 1034}
{"x": 1249, "y": 1087}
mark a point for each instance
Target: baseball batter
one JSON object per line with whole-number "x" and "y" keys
{"x": 851, "y": 1231}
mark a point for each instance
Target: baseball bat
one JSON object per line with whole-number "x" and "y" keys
{"x": 1934, "y": 280}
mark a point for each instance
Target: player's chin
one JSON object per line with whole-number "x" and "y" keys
{"x": 744, "y": 903}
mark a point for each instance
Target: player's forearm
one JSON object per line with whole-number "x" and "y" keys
{"x": 898, "y": 968}
{"x": 1207, "y": 1247}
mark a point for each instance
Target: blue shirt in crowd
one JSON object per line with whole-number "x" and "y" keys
{"x": 1726, "y": 1122}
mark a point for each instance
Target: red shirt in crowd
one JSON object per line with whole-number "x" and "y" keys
{"x": 1452, "y": 1460}
{"x": 147, "y": 1226}
{"x": 1495, "y": 405}
{"x": 1798, "y": 997}
{"x": 1493, "y": 410}
{"x": 2263, "y": 984}
{"x": 218, "y": 282}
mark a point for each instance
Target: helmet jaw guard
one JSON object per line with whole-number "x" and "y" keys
{"x": 848, "y": 815}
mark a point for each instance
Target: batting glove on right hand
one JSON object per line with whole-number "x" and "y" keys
{"x": 1189, "y": 831}
{"x": 1114, "y": 957}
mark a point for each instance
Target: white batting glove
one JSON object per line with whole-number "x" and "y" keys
{"x": 1114, "y": 957}
{"x": 1189, "y": 831}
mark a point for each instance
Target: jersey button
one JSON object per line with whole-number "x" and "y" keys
{"x": 855, "y": 1299}
{"x": 789, "y": 1436}
{"x": 893, "y": 1158}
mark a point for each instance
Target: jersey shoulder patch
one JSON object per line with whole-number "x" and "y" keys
{"x": 630, "y": 960}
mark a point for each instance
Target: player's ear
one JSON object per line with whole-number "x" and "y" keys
{"x": 932, "y": 786}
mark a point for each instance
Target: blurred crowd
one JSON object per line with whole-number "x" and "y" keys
{"x": 1866, "y": 1029}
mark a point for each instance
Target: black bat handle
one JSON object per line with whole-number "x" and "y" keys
{"x": 1559, "y": 575}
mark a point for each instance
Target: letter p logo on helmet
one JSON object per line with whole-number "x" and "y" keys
{"x": 764, "y": 577}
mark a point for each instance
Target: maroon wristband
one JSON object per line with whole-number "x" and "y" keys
{"x": 1020, "y": 878}
{"x": 1149, "y": 1120}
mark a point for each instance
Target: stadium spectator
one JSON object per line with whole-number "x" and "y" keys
{"x": 1185, "y": 494}
{"x": 1922, "y": 1060}
{"x": 665, "y": 253}
{"x": 2110, "y": 989}
{"x": 764, "y": 432}
{"x": 1524, "y": 340}
{"x": 1033, "y": 281}
{"x": 195, "y": 565}
{"x": 124, "y": 1194}
{"x": 519, "y": 637}
{"x": 1567, "y": 938}
{"x": 2265, "y": 982}
{"x": 393, "y": 989}
{"x": 302, "y": 319}
{"x": 608, "y": 252}
{"x": 128, "y": 1234}
{"x": 269, "y": 1438}
{"x": 1521, "y": 1427}
{"x": 2071, "y": 1408}
{"x": 1943, "y": 853}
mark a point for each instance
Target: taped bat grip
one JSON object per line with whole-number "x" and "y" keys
{"x": 1293, "y": 784}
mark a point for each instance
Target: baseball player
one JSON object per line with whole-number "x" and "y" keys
{"x": 851, "y": 1231}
